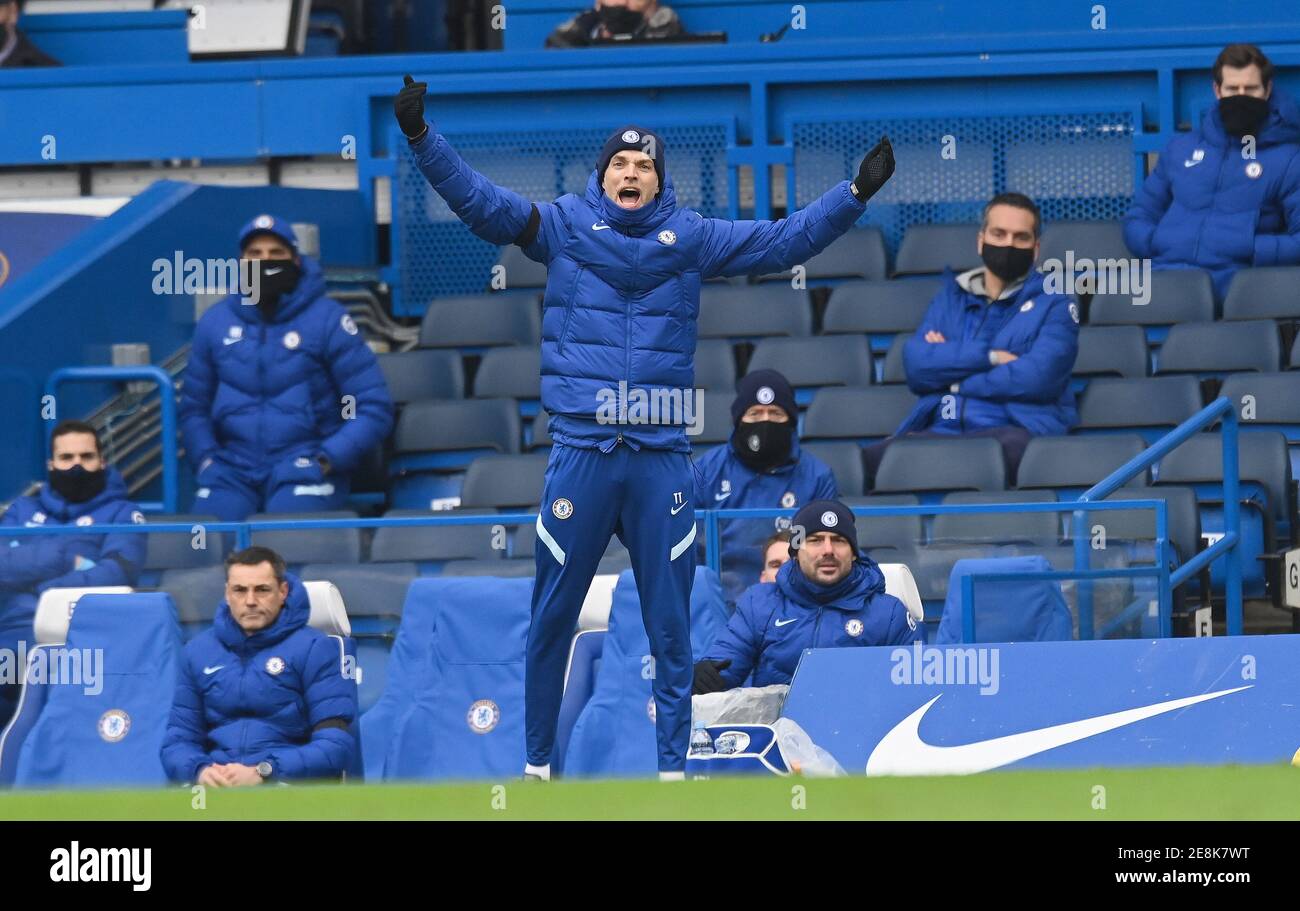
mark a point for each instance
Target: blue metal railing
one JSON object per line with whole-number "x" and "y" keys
{"x": 167, "y": 400}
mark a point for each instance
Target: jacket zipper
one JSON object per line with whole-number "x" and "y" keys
{"x": 1218, "y": 182}
{"x": 627, "y": 320}
{"x": 569, "y": 303}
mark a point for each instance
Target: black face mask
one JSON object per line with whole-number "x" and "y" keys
{"x": 1007, "y": 263}
{"x": 277, "y": 278}
{"x": 763, "y": 444}
{"x": 76, "y": 485}
{"x": 1242, "y": 115}
{"x": 619, "y": 20}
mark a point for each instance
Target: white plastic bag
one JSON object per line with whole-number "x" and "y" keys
{"x": 743, "y": 705}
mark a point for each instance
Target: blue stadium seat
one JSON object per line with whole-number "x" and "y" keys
{"x": 1111, "y": 351}
{"x": 845, "y": 462}
{"x": 894, "y": 370}
{"x": 511, "y": 373}
{"x": 1176, "y": 296}
{"x": 112, "y": 737}
{"x": 196, "y": 594}
{"x": 1091, "y": 240}
{"x": 888, "y": 539}
{"x": 864, "y": 414}
{"x": 427, "y": 544}
{"x": 502, "y": 569}
{"x": 715, "y": 365}
{"x": 481, "y": 320}
{"x": 615, "y": 734}
{"x": 579, "y": 683}
{"x": 520, "y": 271}
{"x": 1077, "y": 463}
{"x": 423, "y": 373}
{"x": 176, "y": 550}
{"x": 997, "y": 527}
{"x": 879, "y": 309}
{"x": 309, "y": 545}
{"x": 504, "y": 481}
{"x": 1214, "y": 348}
{"x": 468, "y": 722}
{"x": 858, "y": 253}
{"x": 1148, "y": 407}
{"x": 1264, "y": 293}
{"x": 749, "y": 311}
{"x": 36, "y": 688}
{"x": 1022, "y": 611}
{"x": 447, "y": 436}
{"x": 928, "y": 249}
{"x": 912, "y": 465}
{"x": 539, "y": 436}
{"x": 840, "y": 360}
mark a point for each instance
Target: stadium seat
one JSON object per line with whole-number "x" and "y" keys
{"x": 900, "y": 583}
{"x": 1209, "y": 348}
{"x": 1032, "y": 610}
{"x": 845, "y": 462}
{"x": 1077, "y": 462}
{"x": 423, "y": 374}
{"x": 196, "y": 593}
{"x": 930, "y": 465}
{"x": 309, "y": 545}
{"x": 467, "y": 723}
{"x": 747, "y": 311}
{"x": 615, "y": 733}
{"x": 373, "y": 592}
{"x": 177, "y": 550}
{"x": 502, "y": 569}
{"x": 448, "y": 436}
{"x": 892, "y": 538}
{"x": 1139, "y": 525}
{"x": 579, "y": 683}
{"x": 540, "y": 437}
{"x": 108, "y": 732}
{"x": 1091, "y": 240}
{"x": 511, "y": 373}
{"x": 717, "y": 425}
{"x": 519, "y": 271}
{"x": 715, "y": 365}
{"x": 1267, "y": 401}
{"x": 840, "y": 360}
{"x": 1111, "y": 351}
{"x": 894, "y": 370}
{"x": 504, "y": 481}
{"x": 879, "y": 308}
{"x": 930, "y": 249}
{"x": 1294, "y": 361}
{"x": 997, "y": 527}
{"x": 433, "y": 543}
{"x": 1148, "y": 407}
{"x": 1271, "y": 292}
{"x": 858, "y": 253}
{"x": 481, "y": 320}
{"x": 1176, "y": 296}
{"x": 863, "y": 414}
{"x": 329, "y": 615}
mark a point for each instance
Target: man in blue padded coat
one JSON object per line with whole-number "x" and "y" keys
{"x": 624, "y": 267}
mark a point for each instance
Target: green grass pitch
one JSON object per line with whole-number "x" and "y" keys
{"x": 1228, "y": 792}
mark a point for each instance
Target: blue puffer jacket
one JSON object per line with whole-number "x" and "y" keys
{"x": 30, "y": 565}
{"x": 775, "y": 621}
{"x": 257, "y": 396}
{"x": 623, "y": 288}
{"x": 1205, "y": 206}
{"x": 1032, "y": 391}
{"x": 723, "y": 481}
{"x": 251, "y": 698}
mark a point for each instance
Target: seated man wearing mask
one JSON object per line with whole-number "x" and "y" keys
{"x": 282, "y": 398}
{"x": 1226, "y": 195}
{"x": 993, "y": 355}
{"x": 80, "y": 490}
{"x": 829, "y": 595}
{"x": 631, "y": 20}
{"x": 261, "y": 696}
{"x": 761, "y": 468}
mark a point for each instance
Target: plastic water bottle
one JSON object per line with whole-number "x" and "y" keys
{"x": 701, "y": 742}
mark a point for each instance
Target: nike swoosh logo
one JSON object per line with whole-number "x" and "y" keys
{"x": 678, "y": 509}
{"x": 784, "y": 622}
{"x": 903, "y": 752}
{"x": 1190, "y": 164}
{"x": 599, "y": 227}
{"x": 231, "y": 341}
{"x": 274, "y": 271}
{"x": 212, "y": 670}
{"x": 721, "y": 496}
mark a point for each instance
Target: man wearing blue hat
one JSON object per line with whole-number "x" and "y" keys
{"x": 830, "y": 595}
{"x": 624, "y": 268}
{"x": 282, "y": 398}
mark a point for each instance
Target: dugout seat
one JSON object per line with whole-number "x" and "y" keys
{"x": 857, "y": 253}
{"x": 931, "y": 465}
{"x": 862, "y": 414}
{"x": 1032, "y": 610}
{"x": 892, "y": 538}
{"x": 845, "y": 463}
{"x": 1070, "y": 465}
{"x": 1264, "y": 293}
{"x": 309, "y": 545}
{"x": 879, "y": 309}
{"x": 504, "y": 481}
{"x": 579, "y": 683}
{"x": 430, "y": 545}
{"x": 511, "y": 373}
{"x": 715, "y": 365}
{"x": 930, "y": 249}
{"x": 748, "y": 311}
{"x": 1111, "y": 351}
{"x": 838, "y": 360}
{"x": 1149, "y": 408}
{"x": 1176, "y": 296}
{"x": 519, "y": 271}
{"x": 476, "y": 321}
{"x": 1217, "y": 348}
{"x": 1268, "y": 401}
{"x": 423, "y": 373}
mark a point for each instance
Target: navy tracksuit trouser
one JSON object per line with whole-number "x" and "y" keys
{"x": 645, "y": 497}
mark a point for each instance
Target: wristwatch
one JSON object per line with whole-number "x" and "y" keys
{"x": 323, "y": 461}
{"x": 993, "y": 358}
{"x": 264, "y": 769}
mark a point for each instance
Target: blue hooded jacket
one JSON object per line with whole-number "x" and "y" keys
{"x": 257, "y": 396}
{"x": 723, "y": 481}
{"x": 623, "y": 288}
{"x": 1206, "y": 206}
{"x": 1032, "y": 391}
{"x": 251, "y": 698}
{"x": 775, "y": 621}
{"x": 30, "y": 565}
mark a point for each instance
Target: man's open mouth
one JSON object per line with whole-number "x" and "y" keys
{"x": 629, "y": 195}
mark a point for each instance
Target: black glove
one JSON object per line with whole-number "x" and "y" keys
{"x": 409, "y": 108}
{"x": 875, "y": 169}
{"x": 707, "y": 678}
